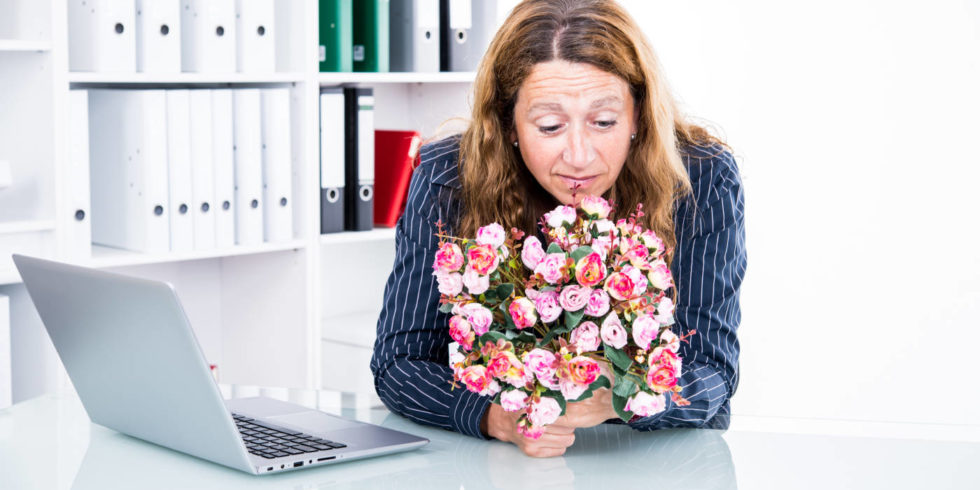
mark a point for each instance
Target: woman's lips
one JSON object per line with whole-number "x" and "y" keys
{"x": 577, "y": 182}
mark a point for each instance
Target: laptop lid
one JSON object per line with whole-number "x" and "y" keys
{"x": 131, "y": 353}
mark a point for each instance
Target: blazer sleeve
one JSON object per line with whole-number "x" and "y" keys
{"x": 708, "y": 269}
{"x": 410, "y": 362}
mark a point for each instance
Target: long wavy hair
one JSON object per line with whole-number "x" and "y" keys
{"x": 496, "y": 184}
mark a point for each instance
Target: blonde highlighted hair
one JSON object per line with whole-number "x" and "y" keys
{"x": 496, "y": 184}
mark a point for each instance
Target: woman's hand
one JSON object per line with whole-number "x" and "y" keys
{"x": 589, "y": 412}
{"x": 502, "y": 425}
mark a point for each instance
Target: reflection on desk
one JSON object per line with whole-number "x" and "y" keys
{"x": 49, "y": 443}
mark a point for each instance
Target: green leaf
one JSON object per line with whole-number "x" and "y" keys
{"x": 619, "y": 404}
{"x": 600, "y": 382}
{"x": 554, "y": 332}
{"x": 492, "y": 336}
{"x": 446, "y": 307}
{"x": 618, "y": 358}
{"x": 554, "y": 248}
{"x": 572, "y": 318}
{"x": 560, "y": 399}
{"x": 526, "y": 337}
{"x": 625, "y": 387}
{"x": 504, "y": 291}
{"x": 490, "y": 295}
{"x": 580, "y": 252}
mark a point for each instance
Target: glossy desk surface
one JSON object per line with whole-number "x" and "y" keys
{"x": 49, "y": 442}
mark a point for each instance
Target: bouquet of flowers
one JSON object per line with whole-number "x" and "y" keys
{"x": 536, "y": 325}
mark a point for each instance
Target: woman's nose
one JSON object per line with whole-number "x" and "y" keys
{"x": 578, "y": 152}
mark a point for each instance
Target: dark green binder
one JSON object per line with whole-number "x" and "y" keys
{"x": 371, "y": 21}
{"x": 336, "y": 35}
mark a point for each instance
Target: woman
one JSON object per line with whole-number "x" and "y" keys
{"x": 568, "y": 101}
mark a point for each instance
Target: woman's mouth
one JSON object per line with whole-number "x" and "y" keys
{"x": 575, "y": 183}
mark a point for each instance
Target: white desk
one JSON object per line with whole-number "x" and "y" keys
{"x": 49, "y": 443}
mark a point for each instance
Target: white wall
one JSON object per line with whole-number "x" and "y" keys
{"x": 854, "y": 123}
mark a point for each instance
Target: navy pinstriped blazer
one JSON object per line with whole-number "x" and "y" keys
{"x": 410, "y": 362}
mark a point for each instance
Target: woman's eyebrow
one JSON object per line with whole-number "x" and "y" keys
{"x": 605, "y": 101}
{"x": 545, "y": 106}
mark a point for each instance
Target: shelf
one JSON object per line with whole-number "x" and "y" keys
{"x": 396, "y": 77}
{"x": 97, "y": 78}
{"x": 375, "y": 235}
{"x": 103, "y": 257}
{"x": 16, "y": 45}
{"x": 355, "y": 330}
{"x": 27, "y": 226}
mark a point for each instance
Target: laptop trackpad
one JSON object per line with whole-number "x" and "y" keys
{"x": 312, "y": 422}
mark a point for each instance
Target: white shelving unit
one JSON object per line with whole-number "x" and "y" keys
{"x": 278, "y": 314}
{"x": 13, "y": 45}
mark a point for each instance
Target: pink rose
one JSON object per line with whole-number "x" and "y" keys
{"x": 483, "y": 258}
{"x": 612, "y": 332}
{"x": 645, "y": 329}
{"x": 586, "y": 337}
{"x": 475, "y": 379}
{"x": 461, "y": 331}
{"x": 665, "y": 312}
{"x": 449, "y": 258}
{"x": 545, "y": 411}
{"x": 492, "y": 234}
{"x": 479, "y": 316}
{"x": 661, "y": 357}
{"x": 645, "y": 404}
{"x": 574, "y": 298}
{"x": 582, "y": 370}
{"x": 598, "y": 303}
{"x": 602, "y": 246}
{"x": 590, "y": 270}
{"x": 595, "y": 206}
{"x": 546, "y": 303}
{"x": 560, "y": 215}
{"x": 671, "y": 341}
{"x": 637, "y": 252}
{"x": 650, "y": 239}
{"x": 498, "y": 365}
{"x": 620, "y": 286}
{"x": 639, "y": 281}
{"x": 553, "y": 268}
{"x": 450, "y": 283}
{"x": 532, "y": 253}
{"x": 626, "y": 228}
{"x": 662, "y": 380}
{"x": 475, "y": 282}
{"x": 603, "y": 226}
{"x": 529, "y": 431}
{"x": 659, "y": 275}
{"x": 522, "y": 312}
{"x": 542, "y": 363}
{"x": 571, "y": 390}
{"x": 513, "y": 400}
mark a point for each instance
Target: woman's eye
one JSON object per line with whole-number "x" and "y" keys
{"x": 605, "y": 124}
{"x": 549, "y": 129}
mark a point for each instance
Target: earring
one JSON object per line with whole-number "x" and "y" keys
{"x": 632, "y": 136}
{"x": 515, "y": 143}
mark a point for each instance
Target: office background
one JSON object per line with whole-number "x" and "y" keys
{"x": 853, "y": 124}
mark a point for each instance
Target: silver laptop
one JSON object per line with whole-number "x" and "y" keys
{"x": 131, "y": 354}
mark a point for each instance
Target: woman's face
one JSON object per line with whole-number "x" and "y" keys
{"x": 573, "y": 123}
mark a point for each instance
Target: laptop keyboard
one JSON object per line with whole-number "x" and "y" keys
{"x": 270, "y": 442}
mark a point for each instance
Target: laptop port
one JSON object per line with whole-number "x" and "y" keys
{"x": 326, "y": 459}
{"x": 297, "y": 464}
{"x": 269, "y": 468}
